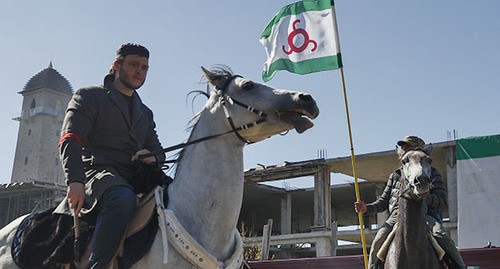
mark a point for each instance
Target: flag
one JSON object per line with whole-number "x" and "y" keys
{"x": 302, "y": 38}
{"x": 478, "y": 190}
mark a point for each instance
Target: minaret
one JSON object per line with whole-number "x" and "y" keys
{"x": 45, "y": 98}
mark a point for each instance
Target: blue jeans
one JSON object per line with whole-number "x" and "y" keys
{"x": 115, "y": 209}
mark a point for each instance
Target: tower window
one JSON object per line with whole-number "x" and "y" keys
{"x": 26, "y": 160}
{"x": 29, "y": 132}
{"x": 59, "y": 108}
{"x": 32, "y": 110}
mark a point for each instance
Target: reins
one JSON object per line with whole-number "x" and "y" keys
{"x": 223, "y": 97}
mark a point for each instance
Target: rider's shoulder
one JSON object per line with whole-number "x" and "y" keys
{"x": 91, "y": 90}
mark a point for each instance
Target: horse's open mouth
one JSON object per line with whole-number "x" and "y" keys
{"x": 299, "y": 119}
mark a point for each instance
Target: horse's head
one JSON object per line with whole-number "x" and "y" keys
{"x": 257, "y": 111}
{"x": 416, "y": 173}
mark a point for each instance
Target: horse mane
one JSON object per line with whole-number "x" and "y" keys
{"x": 221, "y": 70}
{"x": 218, "y": 70}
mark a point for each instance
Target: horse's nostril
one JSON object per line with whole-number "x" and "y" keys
{"x": 421, "y": 179}
{"x": 305, "y": 97}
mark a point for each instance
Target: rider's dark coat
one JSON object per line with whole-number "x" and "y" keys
{"x": 100, "y": 134}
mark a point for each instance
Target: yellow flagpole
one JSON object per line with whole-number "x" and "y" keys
{"x": 354, "y": 173}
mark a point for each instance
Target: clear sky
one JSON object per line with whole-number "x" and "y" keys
{"x": 412, "y": 67}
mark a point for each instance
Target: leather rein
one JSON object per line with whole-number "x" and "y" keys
{"x": 224, "y": 98}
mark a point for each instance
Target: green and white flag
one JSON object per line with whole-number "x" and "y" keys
{"x": 478, "y": 190}
{"x": 302, "y": 38}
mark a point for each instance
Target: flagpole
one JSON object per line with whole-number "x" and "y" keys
{"x": 278, "y": 60}
{"x": 354, "y": 173}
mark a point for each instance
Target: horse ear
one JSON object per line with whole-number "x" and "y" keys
{"x": 428, "y": 148}
{"x": 213, "y": 77}
{"x": 400, "y": 152}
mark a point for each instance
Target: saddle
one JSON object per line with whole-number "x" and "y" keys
{"x": 51, "y": 237}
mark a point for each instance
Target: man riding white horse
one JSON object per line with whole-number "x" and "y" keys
{"x": 239, "y": 111}
{"x": 436, "y": 201}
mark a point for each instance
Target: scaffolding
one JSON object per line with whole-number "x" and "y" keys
{"x": 20, "y": 198}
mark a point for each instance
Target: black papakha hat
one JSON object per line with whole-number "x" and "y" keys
{"x": 132, "y": 49}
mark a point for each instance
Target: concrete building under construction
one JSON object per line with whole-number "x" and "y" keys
{"x": 320, "y": 221}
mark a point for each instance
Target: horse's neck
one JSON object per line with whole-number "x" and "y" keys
{"x": 207, "y": 192}
{"x": 411, "y": 233}
{"x": 411, "y": 247}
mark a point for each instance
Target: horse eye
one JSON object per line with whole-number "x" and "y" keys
{"x": 247, "y": 86}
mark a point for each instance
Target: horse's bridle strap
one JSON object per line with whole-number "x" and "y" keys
{"x": 223, "y": 96}
{"x": 247, "y": 107}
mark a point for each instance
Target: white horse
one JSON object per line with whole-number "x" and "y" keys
{"x": 206, "y": 195}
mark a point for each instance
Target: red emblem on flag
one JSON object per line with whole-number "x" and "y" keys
{"x": 299, "y": 31}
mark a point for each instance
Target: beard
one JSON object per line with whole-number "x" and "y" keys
{"x": 124, "y": 79}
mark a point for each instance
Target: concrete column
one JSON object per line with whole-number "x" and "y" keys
{"x": 266, "y": 237}
{"x": 322, "y": 198}
{"x": 451, "y": 182}
{"x": 286, "y": 214}
{"x": 333, "y": 241}
{"x": 323, "y": 247}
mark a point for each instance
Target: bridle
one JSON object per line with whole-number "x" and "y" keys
{"x": 405, "y": 185}
{"x": 224, "y": 98}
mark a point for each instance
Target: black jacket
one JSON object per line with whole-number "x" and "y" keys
{"x": 103, "y": 133}
{"x": 436, "y": 200}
